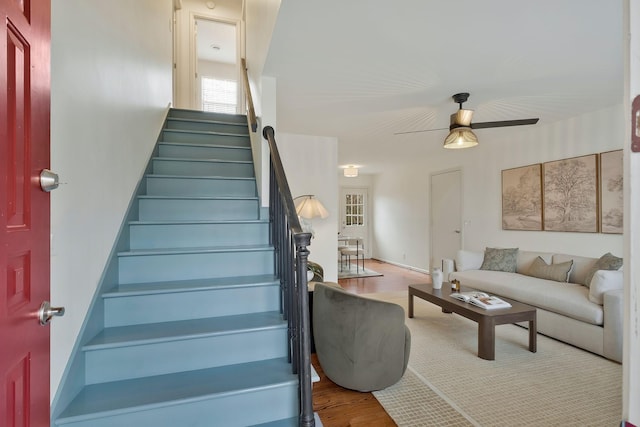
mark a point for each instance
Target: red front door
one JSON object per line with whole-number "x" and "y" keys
{"x": 24, "y": 212}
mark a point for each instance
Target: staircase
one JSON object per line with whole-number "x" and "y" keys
{"x": 193, "y": 334}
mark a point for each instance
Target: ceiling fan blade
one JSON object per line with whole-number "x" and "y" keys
{"x": 505, "y": 123}
{"x": 418, "y": 131}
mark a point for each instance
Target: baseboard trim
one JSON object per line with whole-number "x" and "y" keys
{"x": 408, "y": 267}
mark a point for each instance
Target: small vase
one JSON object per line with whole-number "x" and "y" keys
{"x": 436, "y": 278}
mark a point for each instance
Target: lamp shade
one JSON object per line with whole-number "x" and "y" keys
{"x": 461, "y": 137}
{"x": 351, "y": 171}
{"x": 309, "y": 207}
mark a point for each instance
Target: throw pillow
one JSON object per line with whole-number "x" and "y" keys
{"x": 500, "y": 259}
{"x": 558, "y": 272}
{"x": 603, "y": 281}
{"x": 606, "y": 262}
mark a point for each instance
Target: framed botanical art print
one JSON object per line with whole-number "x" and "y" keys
{"x": 570, "y": 188}
{"x": 611, "y": 196}
{"x": 522, "y": 198}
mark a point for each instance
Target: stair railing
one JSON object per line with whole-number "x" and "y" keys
{"x": 251, "y": 111}
{"x": 291, "y": 260}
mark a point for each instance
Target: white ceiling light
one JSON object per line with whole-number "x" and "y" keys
{"x": 351, "y": 171}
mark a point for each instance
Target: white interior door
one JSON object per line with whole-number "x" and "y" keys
{"x": 446, "y": 216}
{"x": 354, "y": 215}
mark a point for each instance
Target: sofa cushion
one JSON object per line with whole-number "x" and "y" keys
{"x": 526, "y": 258}
{"x": 606, "y": 262}
{"x": 558, "y": 272}
{"x": 604, "y": 281}
{"x": 500, "y": 259}
{"x": 581, "y": 266}
{"x": 568, "y": 299}
{"x": 468, "y": 260}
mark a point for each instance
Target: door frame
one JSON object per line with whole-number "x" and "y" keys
{"x": 431, "y": 208}
{"x": 368, "y": 252}
{"x": 193, "y": 57}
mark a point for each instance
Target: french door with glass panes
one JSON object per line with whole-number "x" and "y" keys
{"x": 354, "y": 216}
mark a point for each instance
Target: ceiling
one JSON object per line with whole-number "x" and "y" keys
{"x": 216, "y": 41}
{"x": 364, "y": 70}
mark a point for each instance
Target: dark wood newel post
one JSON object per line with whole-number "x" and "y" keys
{"x": 302, "y": 240}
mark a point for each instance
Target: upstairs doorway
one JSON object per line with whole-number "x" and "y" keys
{"x": 217, "y": 80}
{"x": 207, "y": 52}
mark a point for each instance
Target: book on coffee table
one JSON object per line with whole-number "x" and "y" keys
{"x": 481, "y": 299}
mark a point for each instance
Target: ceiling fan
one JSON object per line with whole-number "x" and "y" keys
{"x": 460, "y": 135}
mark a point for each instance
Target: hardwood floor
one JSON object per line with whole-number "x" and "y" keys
{"x": 340, "y": 407}
{"x": 393, "y": 278}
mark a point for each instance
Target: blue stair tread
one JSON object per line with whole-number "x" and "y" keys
{"x": 190, "y": 285}
{"x": 191, "y": 160}
{"x": 212, "y": 177}
{"x": 226, "y": 178}
{"x": 200, "y": 222}
{"x": 206, "y": 132}
{"x": 196, "y": 250}
{"x": 149, "y": 392}
{"x": 199, "y": 197}
{"x": 185, "y": 329}
{"x": 196, "y": 144}
{"x": 216, "y": 122}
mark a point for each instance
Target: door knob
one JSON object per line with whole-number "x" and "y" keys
{"x": 457, "y": 231}
{"x": 46, "y": 312}
{"x": 49, "y": 180}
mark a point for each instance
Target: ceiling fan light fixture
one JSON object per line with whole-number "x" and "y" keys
{"x": 460, "y": 137}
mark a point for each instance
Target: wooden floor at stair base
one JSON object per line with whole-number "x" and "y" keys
{"x": 340, "y": 407}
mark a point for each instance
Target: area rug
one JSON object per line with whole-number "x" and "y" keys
{"x": 446, "y": 384}
{"x": 352, "y": 271}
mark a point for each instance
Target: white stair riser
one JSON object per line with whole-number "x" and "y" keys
{"x": 186, "y": 151}
{"x": 168, "y": 307}
{"x": 197, "y": 209}
{"x": 190, "y": 186}
{"x": 232, "y": 410}
{"x": 202, "y": 168}
{"x": 149, "y": 236}
{"x": 157, "y": 268}
{"x": 167, "y": 357}
{"x": 175, "y": 123}
{"x": 205, "y": 138}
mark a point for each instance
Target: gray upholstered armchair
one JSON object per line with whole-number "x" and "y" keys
{"x": 362, "y": 344}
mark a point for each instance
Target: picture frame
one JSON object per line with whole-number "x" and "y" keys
{"x": 522, "y": 198}
{"x": 571, "y": 194}
{"x": 611, "y": 192}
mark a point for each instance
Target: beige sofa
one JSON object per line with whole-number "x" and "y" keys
{"x": 587, "y": 315}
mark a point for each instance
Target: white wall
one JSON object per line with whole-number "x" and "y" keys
{"x": 310, "y": 163}
{"x": 260, "y": 18}
{"x": 401, "y": 194}
{"x": 401, "y": 217}
{"x": 631, "y": 350}
{"x": 110, "y": 88}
